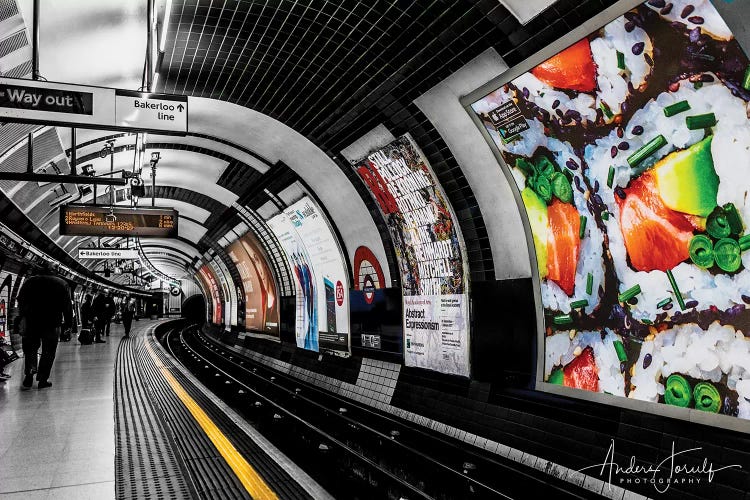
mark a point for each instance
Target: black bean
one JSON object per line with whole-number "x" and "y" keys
{"x": 667, "y": 307}
{"x": 623, "y": 146}
{"x": 556, "y": 103}
{"x": 545, "y": 115}
{"x": 677, "y": 25}
{"x": 620, "y": 192}
{"x": 631, "y": 89}
{"x": 707, "y": 78}
{"x": 696, "y": 20}
{"x": 656, "y": 3}
{"x": 648, "y": 59}
{"x": 695, "y": 34}
{"x": 638, "y": 48}
{"x": 687, "y": 11}
{"x": 571, "y": 164}
{"x": 559, "y": 112}
{"x": 620, "y": 132}
{"x": 596, "y": 186}
{"x": 629, "y": 26}
{"x": 691, "y": 303}
{"x": 666, "y": 10}
{"x": 622, "y": 366}
{"x": 578, "y": 184}
{"x": 647, "y": 360}
{"x": 613, "y": 151}
{"x": 525, "y": 93}
{"x": 633, "y": 301}
{"x": 637, "y": 130}
{"x": 746, "y": 299}
{"x": 600, "y": 292}
{"x": 624, "y": 107}
{"x": 566, "y": 120}
{"x": 674, "y": 86}
{"x": 598, "y": 200}
{"x": 631, "y": 16}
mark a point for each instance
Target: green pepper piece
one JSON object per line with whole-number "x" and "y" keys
{"x": 525, "y": 167}
{"x": 727, "y": 254}
{"x": 620, "y": 350}
{"x": 562, "y": 319}
{"x": 543, "y": 188}
{"x": 717, "y": 224}
{"x": 744, "y": 242}
{"x": 677, "y": 391}
{"x": 707, "y": 397}
{"x": 556, "y": 377}
{"x": 545, "y": 167}
{"x": 561, "y": 188}
{"x": 733, "y": 218}
{"x": 701, "y": 251}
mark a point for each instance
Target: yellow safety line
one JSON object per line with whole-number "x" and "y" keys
{"x": 250, "y": 479}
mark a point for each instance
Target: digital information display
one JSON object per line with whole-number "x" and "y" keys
{"x": 88, "y": 220}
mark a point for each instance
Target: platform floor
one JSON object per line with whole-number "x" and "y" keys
{"x": 59, "y": 442}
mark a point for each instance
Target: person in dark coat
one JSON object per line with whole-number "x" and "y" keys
{"x": 87, "y": 312}
{"x": 104, "y": 310}
{"x": 45, "y": 304}
{"x": 127, "y": 311}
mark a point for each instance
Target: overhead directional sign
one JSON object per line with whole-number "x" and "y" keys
{"x": 88, "y": 220}
{"x": 108, "y": 253}
{"x": 151, "y": 111}
{"x": 52, "y": 103}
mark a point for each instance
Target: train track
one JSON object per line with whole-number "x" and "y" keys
{"x": 353, "y": 450}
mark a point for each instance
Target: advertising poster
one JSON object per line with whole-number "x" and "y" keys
{"x": 306, "y": 317}
{"x": 330, "y": 282}
{"x": 631, "y": 153}
{"x": 228, "y": 292}
{"x": 431, "y": 256}
{"x": 261, "y": 304}
{"x": 213, "y": 287}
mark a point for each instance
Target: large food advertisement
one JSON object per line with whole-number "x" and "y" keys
{"x": 431, "y": 255}
{"x": 228, "y": 291}
{"x": 261, "y": 304}
{"x": 329, "y": 281}
{"x": 631, "y": 152}
{"x": 209, "y": 282}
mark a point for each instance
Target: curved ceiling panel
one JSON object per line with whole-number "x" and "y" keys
{"x": 190, "y": 230}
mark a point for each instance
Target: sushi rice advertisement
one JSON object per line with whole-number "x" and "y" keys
{"x": 329, "y": 270}
{"x": 631, "y": 152}
{"x": 209, "y": 282}
{"x": 431, "y": 255}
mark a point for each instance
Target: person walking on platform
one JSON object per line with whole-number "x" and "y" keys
{"x": 104, "y": 309}
{"x": 127, "y": 311}
{"x": 45, "y": 304}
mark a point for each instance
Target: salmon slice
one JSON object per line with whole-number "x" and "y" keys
{"x": 572, "y": 69}
{"x": 656, "y": 237}
{"x": 582, "y": 373}
{"x": 563, "y": 244}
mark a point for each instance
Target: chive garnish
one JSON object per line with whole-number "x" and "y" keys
{"x": 605, "y": 109}
{"x": 746, "y": 80}
{"x": 734, "y": 219}
{"x": 697, "y": 122}
{"x": 562, "y": 319}
{"x": 744, "y": 242}
{"x": 629, "y": 293}
{"x": 620, "y": 60}
{"x": 697, "y": 85}
{"x": 647, "y": 321}
{"x": 647, "y": 150}
{"x": 605, "y": 215}
{"x": 582, "y": 229}
{"x": 664, "y": 302}
{"x": 620, "y": 350}
{"x": 589, "y": 283}
{"x": 610, "y": 176}
{"x": 676, "y": 108}
{"x": 676, "y": 290}
{"x": 577, "y": 304}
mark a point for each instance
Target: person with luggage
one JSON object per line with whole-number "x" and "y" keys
{"x": 104, "y": 310}
{"x": 127, "y": 311}
{"x": 44, "y": 303}
{"x": 87, "y": 321}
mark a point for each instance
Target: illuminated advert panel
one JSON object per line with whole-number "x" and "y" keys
{"x": 322, "y": 317}
{"x": 431, "y": 254}
{"x": 630, "y": 151}
{"x": 206, "y": 275}
{"x": 261, "y": 301}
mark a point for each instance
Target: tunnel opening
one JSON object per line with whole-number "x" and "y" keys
{"x": 194, "y": 309}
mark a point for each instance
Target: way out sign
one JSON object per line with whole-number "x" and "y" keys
{"x": 151, "y": 111}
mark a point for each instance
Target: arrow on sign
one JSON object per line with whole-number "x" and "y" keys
{"x": 180, "y": 107}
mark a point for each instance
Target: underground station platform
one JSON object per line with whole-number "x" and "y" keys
{"x": 375, "y": 249}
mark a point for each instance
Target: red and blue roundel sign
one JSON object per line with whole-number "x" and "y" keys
{"x": 368, "y": 287}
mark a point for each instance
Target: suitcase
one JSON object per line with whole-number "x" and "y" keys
{"x": 86, "y": 336}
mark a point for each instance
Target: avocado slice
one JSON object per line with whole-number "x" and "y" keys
{"x": 536, "y": 208}
{"x": 556, "y": 377}
{"x": 687, "y": 181}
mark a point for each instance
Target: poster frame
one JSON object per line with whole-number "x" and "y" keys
{"x": 595, "y": 23}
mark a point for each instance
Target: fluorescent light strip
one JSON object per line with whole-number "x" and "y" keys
{"x": 165, "y": 25}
